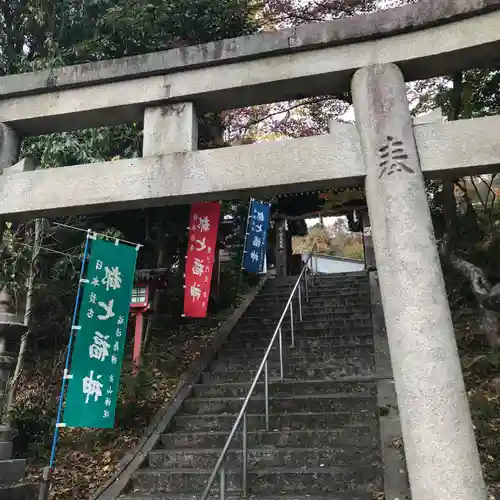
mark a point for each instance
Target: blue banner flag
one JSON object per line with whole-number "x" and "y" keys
{"x": 256, "y": 237}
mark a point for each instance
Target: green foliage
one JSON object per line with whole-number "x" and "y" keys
{"x": 61, "y": 32}
{"x": 353, "y": 250}
{"x": 33, "y": 427}
{"x": 38, "y": 35}
{"x": 480, "y": 95}
{"x": 135, "y": 392}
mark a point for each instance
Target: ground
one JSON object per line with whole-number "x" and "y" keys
{"x": 87, "y": 457}
{"x": 481, "y": 369}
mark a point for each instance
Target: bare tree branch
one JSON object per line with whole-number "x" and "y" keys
{"x": 313, "y": 100}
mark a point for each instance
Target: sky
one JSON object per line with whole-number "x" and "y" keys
{"x": 328, "y": 221}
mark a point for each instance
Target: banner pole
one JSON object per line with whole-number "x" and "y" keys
{"x": 104, "y": 236}
{"x": 244, "y": 245}
{"x": 68, "y": 355}
{"x": 246, "y": 233}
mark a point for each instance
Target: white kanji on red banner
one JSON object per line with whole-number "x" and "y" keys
{"x": 203, "y": 226}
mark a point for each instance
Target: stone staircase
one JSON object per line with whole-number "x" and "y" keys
{"x": 323, "y": 441}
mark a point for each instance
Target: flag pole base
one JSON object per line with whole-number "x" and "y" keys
{"x": 43, "y": 493}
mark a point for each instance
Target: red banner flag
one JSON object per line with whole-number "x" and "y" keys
{"x": 203, "y": 226}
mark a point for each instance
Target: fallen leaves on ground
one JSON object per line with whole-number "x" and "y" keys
{"x": 481, "y": 368}
{"x": 86, "y": 458}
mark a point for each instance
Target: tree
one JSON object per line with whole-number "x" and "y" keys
{"x": 297, "y": 118}
{"x": 284, "y": 13}
{"x": 467, "y": 233}
{"x": 36, "y": 35}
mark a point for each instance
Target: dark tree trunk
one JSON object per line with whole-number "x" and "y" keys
{"x": 486, "y": 295}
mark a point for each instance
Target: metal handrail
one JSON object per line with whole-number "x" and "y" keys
{"x": 220, "y": 465}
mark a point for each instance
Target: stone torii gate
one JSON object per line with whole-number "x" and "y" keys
{"x": 373, "y": 55}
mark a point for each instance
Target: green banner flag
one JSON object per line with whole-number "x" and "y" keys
{"x": 100, "y": 336}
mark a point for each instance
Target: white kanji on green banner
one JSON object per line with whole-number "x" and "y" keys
{"x": 98, "y": 350}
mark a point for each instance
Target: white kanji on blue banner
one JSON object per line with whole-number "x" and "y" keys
{"x": 256, "y": 239}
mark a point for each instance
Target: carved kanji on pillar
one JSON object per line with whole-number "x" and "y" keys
{"x": 393, "y": 157}
{"x": 436, "y": 423}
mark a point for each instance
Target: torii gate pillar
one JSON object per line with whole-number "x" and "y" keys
{"x": 441, "y": 450}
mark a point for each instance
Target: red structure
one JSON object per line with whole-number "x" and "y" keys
{"x": 203, "y": 228}
{"x": 147, "y": 281}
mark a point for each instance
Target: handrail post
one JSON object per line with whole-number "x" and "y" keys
{"x": 220, "y": 466}
{"x": 281, "y": 354}
{"x": 300, "y": 303}
{"x": 223, "y": 481}
{"x": 266, "y": 391}
{"x": 244, "y": 458}
{"x": 306, "y": 280}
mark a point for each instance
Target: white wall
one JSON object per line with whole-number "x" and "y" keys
{"x": 326, "y": 264}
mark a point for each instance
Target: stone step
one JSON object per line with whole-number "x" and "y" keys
{"x": 294, "y": 404}
{"x": 273, "y": 285}
{"x": 283, "y": 421}
{"x": 334, "y": 308}
{"x": 314, "y": 300}
{"x": 337, "y": 277}
{"x": 315, "y": 294}
{"x": 268, "y": 310}
{"x": 359, "y": 436}
{"x": 326, "y": 293}
{"x": 307, "y": 317}
{"x": 325, "y": 280}
{"x": 304, "y": 342}
{"x": 319, "y": 480}
{"x": 296, "y": 354}
{"x": 12, "y": 470}
{"x": 292, "y": 357}
{"x": 307, "y": 314}
{"x": 332, "y": 289}
{"x": 11, "y": 490}
{"x": 330, "y": 294}
{"x": 328, "y": 342}
{"x": 236, "y": 372}
{"x": 308, "y": 323}
{"x": 357, "y": 275}
{"x": 293, "y": 373}
{"x": 311, "y": 353}
{"x": 299, "y": 362}
{"x": 216, "y": 496}
{"x": 318, "y": 323}
{"x": 316, "y": 283}
{"x": 261, "y": 458}
{"x": 314, "y": 304}
{"x": 311, "y": 309}
{"x": 314, "y": 291}
{"x": 309, "y": 331}
{"x": 287, "y": 388}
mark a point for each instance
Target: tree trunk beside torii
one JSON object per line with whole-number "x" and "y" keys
{"x": 486, "y": 294}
